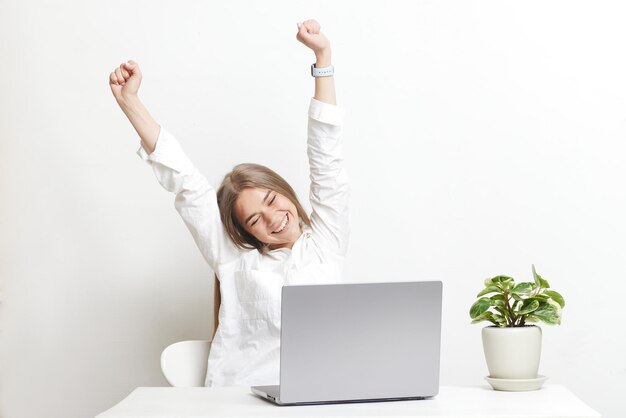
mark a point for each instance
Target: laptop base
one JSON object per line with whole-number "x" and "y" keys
{"x": 271, "y": 394}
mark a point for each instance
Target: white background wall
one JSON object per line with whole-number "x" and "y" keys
{"x": 481, "y": 137}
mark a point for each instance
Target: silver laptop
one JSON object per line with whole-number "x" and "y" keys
{"x": 358, "y": 342}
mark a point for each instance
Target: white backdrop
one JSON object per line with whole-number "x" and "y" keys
{"x": 480, "y": 137}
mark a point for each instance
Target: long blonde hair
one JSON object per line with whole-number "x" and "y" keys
{"x": 244, "y": 176}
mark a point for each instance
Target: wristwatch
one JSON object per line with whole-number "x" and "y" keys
{"x": 322, "y": 72}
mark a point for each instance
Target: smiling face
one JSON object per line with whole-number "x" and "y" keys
{"x": 268, "y": 216}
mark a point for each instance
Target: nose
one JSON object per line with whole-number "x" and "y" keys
{"x": 267, "y": 215}
{"x": 271, "y": 218}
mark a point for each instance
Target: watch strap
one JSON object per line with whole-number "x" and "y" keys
{"x": 322, "y": 72}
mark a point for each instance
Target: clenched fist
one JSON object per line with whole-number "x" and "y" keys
{"x": 310, "y": 35}
{"x": 125, "y": 80}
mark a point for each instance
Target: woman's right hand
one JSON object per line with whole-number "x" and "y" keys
{"x": 125, "y": 80}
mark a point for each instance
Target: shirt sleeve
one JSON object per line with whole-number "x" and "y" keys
{"x": 195, "y": 201}
{"x": 330, "y": 190}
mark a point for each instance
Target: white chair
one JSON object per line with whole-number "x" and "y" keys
{"x": 184, "y": 363}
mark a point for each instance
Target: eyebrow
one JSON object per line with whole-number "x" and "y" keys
{"x": 264, "y": 199}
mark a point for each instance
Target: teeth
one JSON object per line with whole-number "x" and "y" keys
{"x": 282, "y": 225}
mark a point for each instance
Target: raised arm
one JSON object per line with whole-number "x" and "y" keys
{"x": 124, "y": 82}
{"x": 196, "y": 200}
{"x": 330, "y": 188}
{"x": 309, "y": 34}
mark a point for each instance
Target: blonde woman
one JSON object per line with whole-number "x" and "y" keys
{"x": 253, "y": 231}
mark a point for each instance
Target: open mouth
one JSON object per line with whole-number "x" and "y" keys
{"x": 283, "y": 225}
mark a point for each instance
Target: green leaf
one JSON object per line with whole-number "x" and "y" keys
{"x": 485, "y": 316}
{"x": 505, "y": 282}
{"x": 541, "y": 282}
{"x": 536, "y": 276}
{"x": 501, "y": 311}
{"x": 499, "y": 296}
{"x": 488, "y": 289}
{"x": 498, "y": 300}
{"x": 522, "y": 288}
{"x": 531, "y": 318}
{"x": 528, "y": 306}
{"x": 480, "y": 306}
{"x": 500, "y": 320}
{"x": 517, "y": 297}
{"x": 556, "y": 296}
{"x": 498, "y": 303}
{"x": 548, "y": 313}
{"x": 516, "y": 305}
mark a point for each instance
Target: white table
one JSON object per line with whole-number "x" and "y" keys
{"x": 551, "y": 401}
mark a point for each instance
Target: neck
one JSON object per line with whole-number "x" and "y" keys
{"x": 285, "y": 245}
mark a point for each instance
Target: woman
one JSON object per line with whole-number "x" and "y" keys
{"x": 253, "y": 232}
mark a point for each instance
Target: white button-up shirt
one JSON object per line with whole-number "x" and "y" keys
{"x": 246, "y": 346}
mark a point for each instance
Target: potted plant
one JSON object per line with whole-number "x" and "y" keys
{"x": 512, "y": 344}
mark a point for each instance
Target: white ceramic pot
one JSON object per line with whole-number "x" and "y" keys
{"x": 512, "y": 353}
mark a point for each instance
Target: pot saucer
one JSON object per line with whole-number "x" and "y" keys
{"x": 516, "y": 385}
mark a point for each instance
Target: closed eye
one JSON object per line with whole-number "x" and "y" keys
{"x": 271, "y": 201}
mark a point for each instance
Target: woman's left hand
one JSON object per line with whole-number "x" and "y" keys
{"x": 310, "y": 35}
